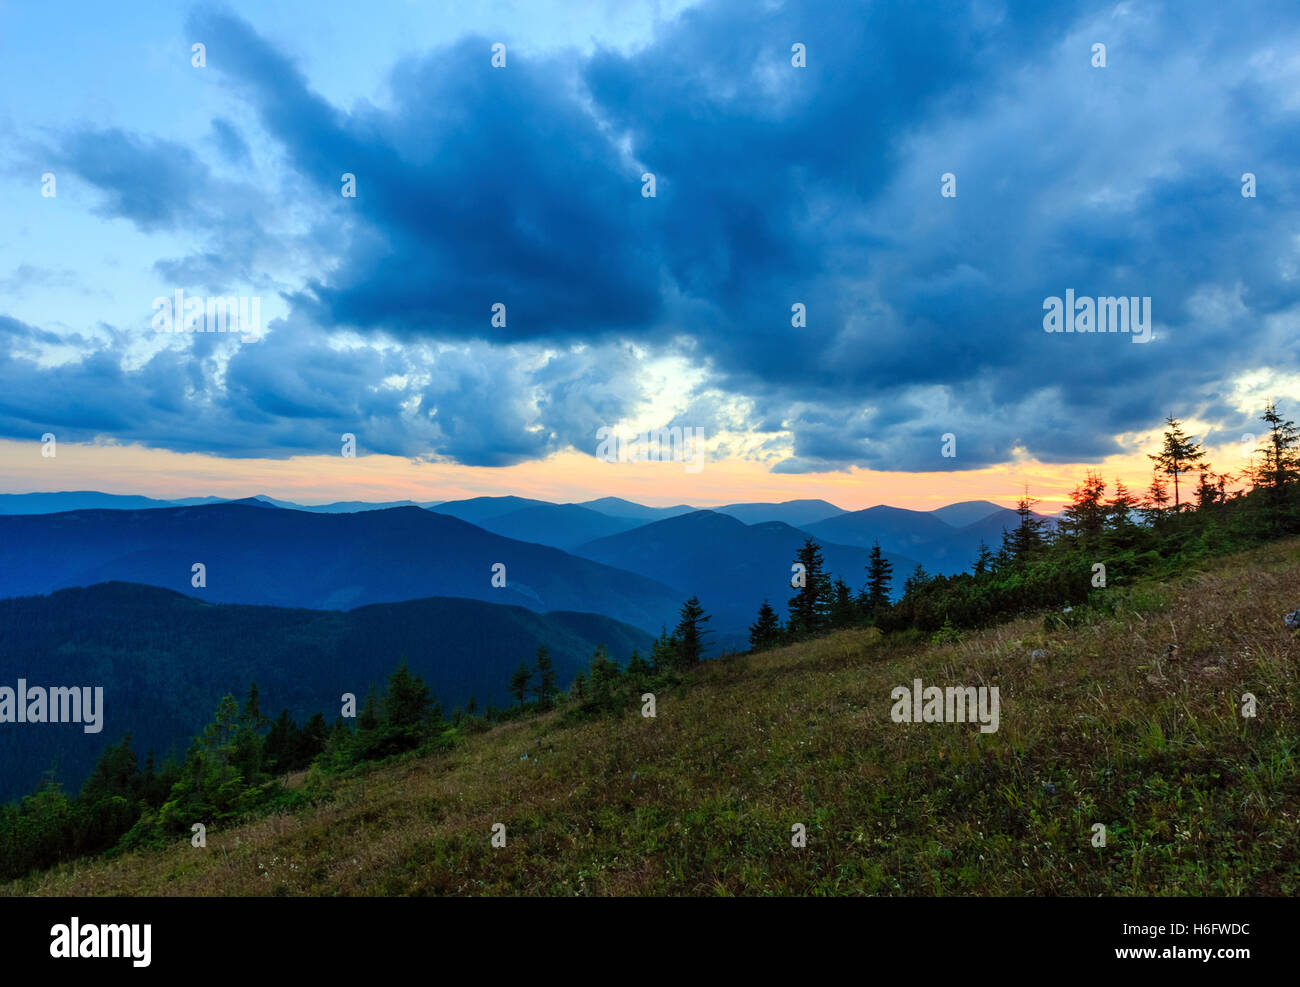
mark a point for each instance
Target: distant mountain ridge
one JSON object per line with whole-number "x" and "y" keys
{"x": 563, "y": 526}
{"x": 924, "y": 535}
{"x": 338, "y": 507}
{"x": 618, "y": 507}
{"x": 896, "y": 527}
{"x": 84, "y": 500}
{"x": 943, "y": 540}
{"x": 730, "y": 565}
{"x": 967, "y": 512}
{"x": 476, "y": 510}
{"x": 793, "y": 512}
{"x": 291, "y": 558}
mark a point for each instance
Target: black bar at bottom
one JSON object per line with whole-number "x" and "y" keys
{"x": 954, "y": 936}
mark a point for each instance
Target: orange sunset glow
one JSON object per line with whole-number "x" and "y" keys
{"x": 563, "y": 478}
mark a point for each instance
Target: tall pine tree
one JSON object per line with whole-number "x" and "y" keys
{"x": 1178, "y": 455}
{"x": 766, "y": 631}
{"x": 545, "y": 677}
{"x": 690, "y": 633}
{"x": 1279, "y": 473}
{"x": 809, "y": 607}
{"x": 519, "y": 682}
{"x": 1027, "y": 539}
{"x": 875, "y": 594}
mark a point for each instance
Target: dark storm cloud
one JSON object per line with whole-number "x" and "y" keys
{"x": 479, "y": 186}
{"x": 775, "y": 185}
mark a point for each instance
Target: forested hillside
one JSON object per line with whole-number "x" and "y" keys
{"x": 165, "y": 659}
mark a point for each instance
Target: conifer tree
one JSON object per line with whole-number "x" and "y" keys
{"x": 1212, "y": 489}
{"x": 116, "y": 774}
{"x": 252, "y": 710}
{"x": 844, "y": 610}
{"x": 312, "y": 739}
{"x": 210, "y": 785}
{"x": 280, "y": 750}
{"x": 916, "y": 580}
{"x": 1157, "y": 498}
{"x": 364, "y": 743}
{"x": 1120, "y": 508}
{"x": 578, "y": 691}
{"x": 409, "y": 711}
{"x": 605, "y": 673}
{"x": 1027, "y": 538}
{"x": 519, "y": 683}
{"x": 368, "y": 718}
{"x": 663, "y": 656}
{"x": 1178, "y": 455}
{"x": 1279, "y": 472}
{"x": 546, "y": 688}
{"x": 875, "y": 594}
{"x": 1085, "y": 517}
{"x": 247, "y": 756}
{"x": 765, "y": 632}
{"x": 406, "y": 700}
{"x": 690, "y": 633}
{"x": 638, "y": 669}
{"x": 809, "y": 607}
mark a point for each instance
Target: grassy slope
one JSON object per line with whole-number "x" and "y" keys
{"x": 700, "y": 800}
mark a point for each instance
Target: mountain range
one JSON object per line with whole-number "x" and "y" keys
{"x": 290, "y": 558}
{"x": 731, "y": 566}
{"x": 314, "y": 602}
{"x": 945, "y": 541}
{"x": 555, "y": 556}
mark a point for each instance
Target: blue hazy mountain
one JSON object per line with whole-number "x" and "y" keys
{"x": 730, "y": 565}
{"x": 476, "y": 510}
{"x": 967, "y": 512}
{"x": 292, "y": 558}
{"x": 88, "y": 500}
{"x": 793, "y": 512}
{"x": 83, "y": 500}
{"x": 618, "y": 507}
{"x": 341, "y": 506}
{"x": 558, "y": 525}
{"x": 923, "y": 535}
{"x": 943, "y": 540}
{"x": 896, "y": 528}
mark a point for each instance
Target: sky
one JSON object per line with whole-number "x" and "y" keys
{"x": 502, "y": 287}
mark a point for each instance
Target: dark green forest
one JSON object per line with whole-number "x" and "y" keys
{"x": 164, "y": 657}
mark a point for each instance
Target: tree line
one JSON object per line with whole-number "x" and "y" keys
{"x": 1187, "y": 513}
{"x": 1036, "y": 566}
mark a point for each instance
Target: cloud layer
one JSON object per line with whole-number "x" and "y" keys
{"x": 775, "y": 185}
